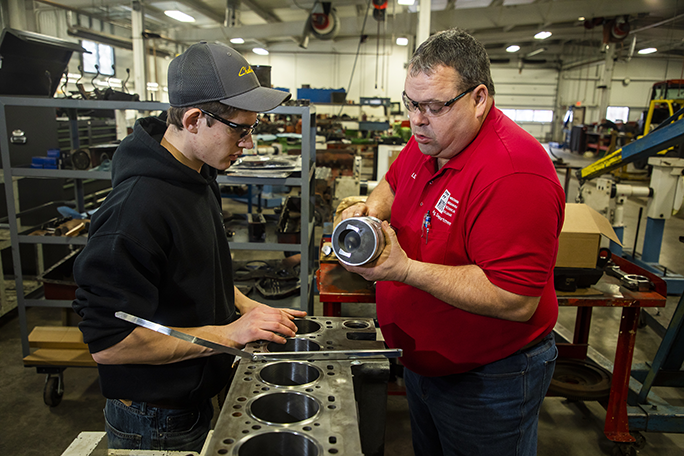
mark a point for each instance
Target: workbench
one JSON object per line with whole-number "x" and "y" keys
{"x": 336, "y": 285}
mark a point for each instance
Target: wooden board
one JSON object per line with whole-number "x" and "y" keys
{"x": 57, "y": 337}
{"x": 59, "y": 358}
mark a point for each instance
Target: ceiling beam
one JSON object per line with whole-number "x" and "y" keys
{"x": 544, "y": 13}
{"x": 497, "y": 17}
{"x": 82, "y": 4}
{"x": 204, "y": 10}
{"x": 257, "y": 9}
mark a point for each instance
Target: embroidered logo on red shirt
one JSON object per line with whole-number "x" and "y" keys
{"x": 446, "y": 206}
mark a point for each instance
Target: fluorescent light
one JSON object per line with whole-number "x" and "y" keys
{"x": 536, "y": 52}
{"x": 647, "y": 51}
{"x": 543, "y": 35}
{"x": 237, "y": 41}
{"x": 402, "y": 41}
{"x": 260, "y": 51}
{"x": 405, "y": 2}
{"x": 179, "y": 16}
{"x": 513, "y": 48}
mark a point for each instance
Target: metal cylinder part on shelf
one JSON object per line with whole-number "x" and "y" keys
{"x": 358, "y": 240}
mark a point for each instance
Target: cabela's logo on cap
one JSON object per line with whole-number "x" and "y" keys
{"x": 244, "y": 71}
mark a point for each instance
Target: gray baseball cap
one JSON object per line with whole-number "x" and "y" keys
{"x": 215, "y": 72}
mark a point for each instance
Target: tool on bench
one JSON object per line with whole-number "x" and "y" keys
{"x": 633, "y": 282}
{"x": 305, "y": 355}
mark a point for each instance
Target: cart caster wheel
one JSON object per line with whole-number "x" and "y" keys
{"x": 640, "y": 439}
{"x": 53, "y": 391}
{"x": 624, "y": 449}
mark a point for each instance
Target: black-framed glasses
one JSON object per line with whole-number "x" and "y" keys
{"x": 246, "y": 129}
{"x": 433, "y": 108}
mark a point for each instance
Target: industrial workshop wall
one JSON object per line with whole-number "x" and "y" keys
{"x": 631, "y": 84}
{"x": 532, "y": 89}
{"x": 325, "y": 64}
{"x": 56, "y": 23}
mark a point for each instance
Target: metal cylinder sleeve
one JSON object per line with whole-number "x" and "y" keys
{"x": 358, "y": 240}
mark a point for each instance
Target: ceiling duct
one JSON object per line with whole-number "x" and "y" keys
{"x": 322, "y": 23}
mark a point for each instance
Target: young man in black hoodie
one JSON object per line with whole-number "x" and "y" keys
{"x": 157, "y": 249}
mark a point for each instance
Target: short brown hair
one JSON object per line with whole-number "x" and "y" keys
{"x": 174, "y": 116}
{"x": 457, "y": 49}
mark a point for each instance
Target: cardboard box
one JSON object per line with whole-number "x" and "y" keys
{"x": 580, "y": 239}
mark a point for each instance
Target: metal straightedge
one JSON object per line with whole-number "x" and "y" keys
{"x": 306, "y": 407}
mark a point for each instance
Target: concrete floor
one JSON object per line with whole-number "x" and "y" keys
{"x": 28, "y": 427}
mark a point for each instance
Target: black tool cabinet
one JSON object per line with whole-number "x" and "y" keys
{"x": 14, "y": 172}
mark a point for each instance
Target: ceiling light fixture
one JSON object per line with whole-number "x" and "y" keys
{"x": 260, "y": 51}
{"x": 237, "y": 41}
{"x": 536, "y": 52}
{"x": 581, "y": 18}
{"x": 179, "y": 16}
{"x": 402, "y": 41}
{"x": 406, "y": 2}
{"x": 513, "y": 48}
{"x": 647, "y": 51}
{"x": 542, "y": 35}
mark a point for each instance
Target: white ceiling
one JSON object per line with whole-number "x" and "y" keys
{"x": 496, "y": 23}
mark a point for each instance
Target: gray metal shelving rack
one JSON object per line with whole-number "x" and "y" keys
{"x": 306, "y": 182}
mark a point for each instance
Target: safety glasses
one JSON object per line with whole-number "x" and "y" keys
{"x": 433, "y": 108}
{"x": 246, "y": 129}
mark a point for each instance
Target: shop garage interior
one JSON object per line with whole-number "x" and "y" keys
{"x": 599, "y": 83}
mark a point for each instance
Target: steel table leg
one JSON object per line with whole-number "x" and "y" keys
{"x": 617, "y": 421}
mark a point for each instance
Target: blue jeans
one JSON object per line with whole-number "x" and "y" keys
{"x": 491, "y": 410}
{"x": 142, "y": 427}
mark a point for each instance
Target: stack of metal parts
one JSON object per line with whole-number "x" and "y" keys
{"x": 302, "y": 407}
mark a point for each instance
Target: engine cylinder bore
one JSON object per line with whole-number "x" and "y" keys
{"x": 358, "y": 240}
{"x": 283, "y": 408}
{"x": 306, "y": 326}
{"x": 289, "y": 374}
{"x": 356, "y": 324}
{"x": 279, "y": 443}
{"x": 293, "y": 345}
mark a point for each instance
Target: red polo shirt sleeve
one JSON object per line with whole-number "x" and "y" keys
{"x": 512, "y": 236}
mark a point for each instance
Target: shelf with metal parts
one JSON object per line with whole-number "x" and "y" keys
{"x": 18, "y": 236}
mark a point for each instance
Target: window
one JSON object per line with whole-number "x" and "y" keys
{"x": 530, "y": 115}
{"x": 615, "y": 113}
{"x": 543, "y": 115}
{"x": 101, "y": 55}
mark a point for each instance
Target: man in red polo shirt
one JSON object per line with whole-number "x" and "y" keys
{"x": 465, "y": 283}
